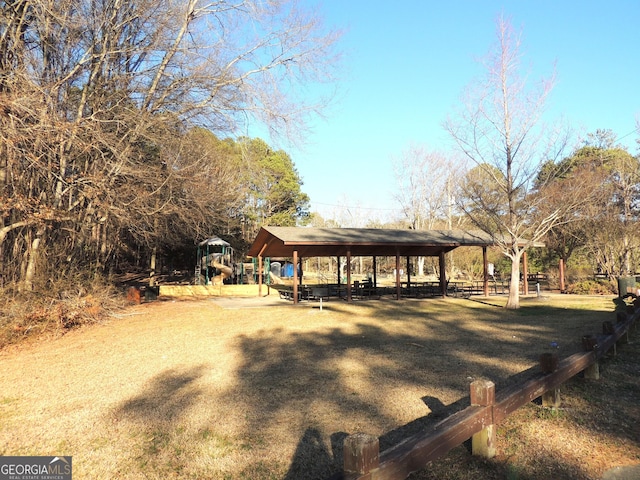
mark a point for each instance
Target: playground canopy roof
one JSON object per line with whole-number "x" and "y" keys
{"x": 326, "y": 242}
{"x": 214, "y": 241}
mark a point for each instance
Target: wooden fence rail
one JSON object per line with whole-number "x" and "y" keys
{"x": 364, "y": 461}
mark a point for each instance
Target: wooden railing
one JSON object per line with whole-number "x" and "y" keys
{"x": 364, "y": 461}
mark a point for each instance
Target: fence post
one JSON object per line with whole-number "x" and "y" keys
{"x": 621, "y": 318}
{"x": 483, "y": 443}
{"x": 608, "y": 329}
{"x": 625, "y": 336}
{"x": 590, "y": 343}
{"x": 361, "y": 454}
{"x": 549, "y": 364}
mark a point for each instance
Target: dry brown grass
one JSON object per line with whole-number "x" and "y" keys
{"x": 53, "y": 311}
{"x": 206, "y": 389}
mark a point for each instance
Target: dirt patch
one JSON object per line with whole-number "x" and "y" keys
{"x": 199, "y": 389}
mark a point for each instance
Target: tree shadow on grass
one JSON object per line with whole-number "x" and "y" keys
{"x": 157, "y": 412}
{"x": 288, "y": 374}
{"x": 312, "y": 460}
{"x": 293, "y": 370}
{"x": 166, "y": 399}
{"x": 304, "y": 383}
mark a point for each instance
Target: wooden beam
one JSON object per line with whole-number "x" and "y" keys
{"x": 363, "y": 461}
{"x": 415, "y": 452}
{"x": 512, "y": 398}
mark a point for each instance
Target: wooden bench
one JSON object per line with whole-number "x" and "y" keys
{"x": 459, "y": 291}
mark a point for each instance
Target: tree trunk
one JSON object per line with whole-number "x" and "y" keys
{"x": 30, "y": 271}
{"x": 514, "y": 285}
{"x": 421, "y": 266}
{"x": 561, "y": 265}
{"x": 627, "y": 255}
{"x": 451, "y": 265}
{"x": 152, "y": 272}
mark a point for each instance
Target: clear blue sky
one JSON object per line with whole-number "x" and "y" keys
{"x": 407, "y": 63}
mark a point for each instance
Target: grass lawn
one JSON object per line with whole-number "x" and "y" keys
{"x": 212, "y": 390}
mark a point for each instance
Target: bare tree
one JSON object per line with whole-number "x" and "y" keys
{"x": 500, "y": 131}
{"x": 422, "y": 177}
{"x": 427, "y": 181}
{"x": 96, "y": 101}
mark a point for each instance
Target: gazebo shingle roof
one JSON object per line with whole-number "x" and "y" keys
{"x": 324, "y": 242}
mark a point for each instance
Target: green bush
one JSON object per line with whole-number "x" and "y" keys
{"x": 591, "y": 287}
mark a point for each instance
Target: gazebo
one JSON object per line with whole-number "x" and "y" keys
{"x": 303, "y": 242}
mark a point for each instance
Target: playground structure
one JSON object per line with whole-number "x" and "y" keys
{"x": 246, "y": 273}
{"x": 216, "y": 264}
{"x": 215, "y": 261}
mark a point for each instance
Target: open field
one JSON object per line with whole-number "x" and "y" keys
{"x": 209, "y": 389}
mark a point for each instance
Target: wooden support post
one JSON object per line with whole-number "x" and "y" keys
{"x": 609, "y": 329}
{"x": 589, "y": 342}
{"x": 349, "y": 297}
{"x": 301, "y": 262}
{"x": 549, "y": 364}
{"x": 483, "y": 443}
{"x": 625, "y": 337}
{"x": 259, "y": 268}
{"x": 260, "y": 275}
{"x": 592, "y": 372}
{"x": 443, "y": 274}
{"x": 485, "y": 274}
{"x": 375, "y": 273}
{"x": 398, "y": 287}
{"x": 525, "y": 273}
{"x": 295, "y": 277}
{"x": 361, "y": 454}
{"x": 551, "y": 398}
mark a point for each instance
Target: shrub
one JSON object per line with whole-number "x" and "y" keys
{"x": 56, "y": 310}
{"x": 591, "y": 287}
